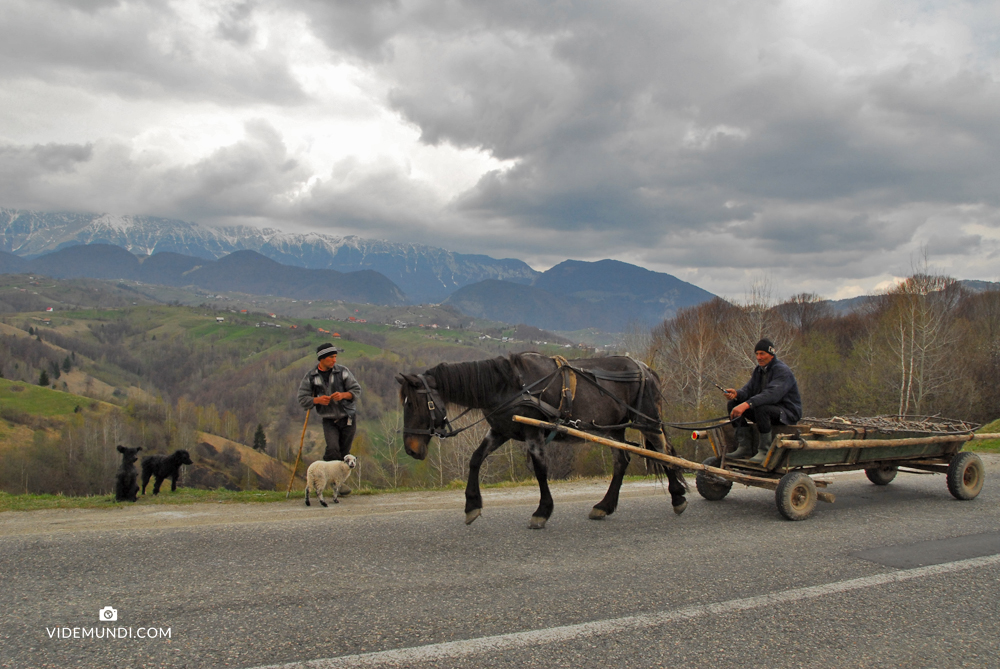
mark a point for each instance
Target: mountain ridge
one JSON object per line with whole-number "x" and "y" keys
{"x": 423, "y": 273}
{"x": 243, "y": 271}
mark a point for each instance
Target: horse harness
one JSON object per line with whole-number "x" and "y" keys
{"x": 441, "y": 427}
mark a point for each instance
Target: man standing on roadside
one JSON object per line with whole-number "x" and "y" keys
{"x": 333, "y": 391}
{"x": 770, "y": 396}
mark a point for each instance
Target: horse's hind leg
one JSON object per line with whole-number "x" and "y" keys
{"x": 473, "y": 497}
{"x": 675, "y": 477}
{"x": 608, "y": 505}
{"x": 545, "y": 504}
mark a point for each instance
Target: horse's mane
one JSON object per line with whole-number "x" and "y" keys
{"x": 478, "y": 384}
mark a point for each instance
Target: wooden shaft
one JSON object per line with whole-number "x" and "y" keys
{"x": 299, "y": 456}
{"x": 756, "y": 481}
{"x": 646, "y": 453}
{"x": 872, "y": 443}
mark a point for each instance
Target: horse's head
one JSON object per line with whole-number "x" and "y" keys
{"x": 422, "y": 418}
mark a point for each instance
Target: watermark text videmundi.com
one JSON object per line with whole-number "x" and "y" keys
{"x": 108, "y": 615}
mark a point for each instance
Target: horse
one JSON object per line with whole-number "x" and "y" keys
{"x": 602, "y": 395}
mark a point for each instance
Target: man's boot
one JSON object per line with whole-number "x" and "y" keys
{"x": 744, "y": 443}
{"x": 762, "y": 449}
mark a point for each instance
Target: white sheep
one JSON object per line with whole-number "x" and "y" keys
{"x": 335, "y": 472}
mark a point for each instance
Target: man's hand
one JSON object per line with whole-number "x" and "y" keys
{"x": 323, "y": 399}
{"x": 738, "y": 410}
{"x": 730, "y": 393}
{"x": 337, "y": 397}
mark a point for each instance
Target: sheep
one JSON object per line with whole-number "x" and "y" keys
{"x": 334, "y": 472}
{"x": 164, "y": 467}
{"x": 125, "y": 485}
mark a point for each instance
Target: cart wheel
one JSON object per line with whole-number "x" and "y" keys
{"x": 882, "y": 475}
{"x": 709, "y": 486}
{"x": 966, "y": 476}
{"x": 795, "y": 496}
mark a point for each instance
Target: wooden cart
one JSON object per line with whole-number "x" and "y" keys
{"x": 879, "y": 446}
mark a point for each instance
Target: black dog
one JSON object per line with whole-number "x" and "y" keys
{"x": 164, "y": 467}
{"x": 126, "y": 489}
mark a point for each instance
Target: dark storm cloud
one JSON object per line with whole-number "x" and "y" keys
{"x": 139, "y": 50}
{"x": 655, "y": 118}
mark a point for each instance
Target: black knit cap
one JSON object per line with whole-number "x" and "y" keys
{"x": 324, "y": 350}
{"x": 766, "y": 346}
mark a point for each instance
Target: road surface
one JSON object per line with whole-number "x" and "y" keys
{"x": 902, "y": 575}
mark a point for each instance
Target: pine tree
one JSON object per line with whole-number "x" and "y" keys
{"x": 67, "y": 365}
{"x": 259, "y": 438}
{"x": 43, "y": 378}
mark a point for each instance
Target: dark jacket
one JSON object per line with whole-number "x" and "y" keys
{"x": 341, "y": 381}
{"x": 774, "y": 384}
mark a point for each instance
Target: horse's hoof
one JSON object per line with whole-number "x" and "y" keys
{"x": 537, "y": 523}
{"x": 472, "y": 515}
{"x": 679, "y": 509}
{"x": 598, "y": 514}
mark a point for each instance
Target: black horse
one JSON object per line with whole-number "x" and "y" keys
{"x": 601, "y": 395}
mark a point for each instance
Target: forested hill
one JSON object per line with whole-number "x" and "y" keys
{"x": 171, "y": 373}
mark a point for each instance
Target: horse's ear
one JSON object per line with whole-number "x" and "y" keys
{"x": 120, "y": 449}
{"x": 138, "y": 448}
{"x": 401, "y": 379}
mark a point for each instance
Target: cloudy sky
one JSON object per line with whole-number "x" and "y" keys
{"x": 823, "y": 146}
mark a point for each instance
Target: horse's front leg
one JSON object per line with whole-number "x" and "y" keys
{"x": 545, "y": 504}
{"x": 473, "y": 497}
{"x": 608, "y": 505}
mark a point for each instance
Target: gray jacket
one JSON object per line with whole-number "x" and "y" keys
{"x": 341, "y": 381}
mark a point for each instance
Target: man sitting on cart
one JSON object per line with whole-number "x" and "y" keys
{"x": 771, "y": 396}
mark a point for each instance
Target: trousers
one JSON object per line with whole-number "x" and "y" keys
{"x": 339, "y": 435}
{"x": 763, "y": 416}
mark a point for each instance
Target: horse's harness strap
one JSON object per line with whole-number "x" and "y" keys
{"x": 568, "y": 392}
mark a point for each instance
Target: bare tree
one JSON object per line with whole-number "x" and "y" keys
{"x": 918, "y": 318}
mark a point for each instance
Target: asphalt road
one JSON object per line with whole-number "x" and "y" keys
{"x": 902, "y": 575}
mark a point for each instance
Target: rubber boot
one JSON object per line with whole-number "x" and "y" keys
{"x": 744, "y": 444}
{"x": 762, "y": 449}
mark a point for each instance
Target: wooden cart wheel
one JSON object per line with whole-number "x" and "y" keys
{"x": 966, "y": 476}
{"x": 795, "y": 496}
{"x": 882, "y": 475}
{"x": 709, "y": 486}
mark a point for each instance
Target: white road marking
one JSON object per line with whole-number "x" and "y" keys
{"x": 505, "y": 642}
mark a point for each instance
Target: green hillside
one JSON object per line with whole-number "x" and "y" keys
{"x": 167, "y": 372}
{"x": 39, "y": 400}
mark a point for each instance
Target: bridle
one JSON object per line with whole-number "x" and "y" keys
{"x": 440, "y": 426}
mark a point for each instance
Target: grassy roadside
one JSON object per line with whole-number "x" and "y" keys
{"x": 28, "y": 502}
{"x": 986, "y": 445}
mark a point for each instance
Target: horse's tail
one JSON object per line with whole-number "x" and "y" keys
{"x": 663, "y": 445}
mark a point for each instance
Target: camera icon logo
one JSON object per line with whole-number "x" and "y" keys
{"x": 108, "y": 614}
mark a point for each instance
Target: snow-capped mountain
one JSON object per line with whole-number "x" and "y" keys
{"x": 424, "y": 273}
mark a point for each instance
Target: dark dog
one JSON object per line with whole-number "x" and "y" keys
{"x": 163, "y": 467}
{"x": 126, "y": 489}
